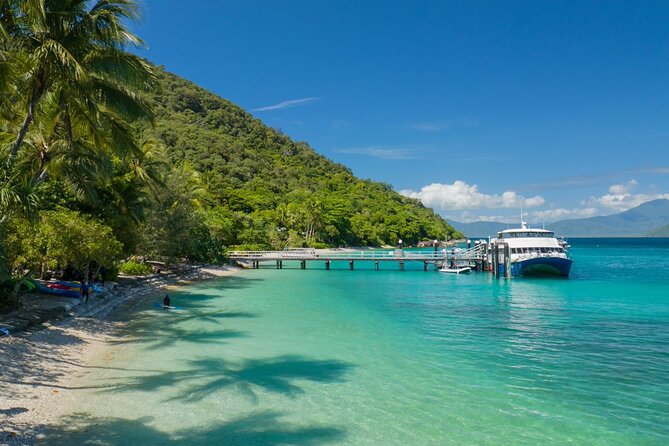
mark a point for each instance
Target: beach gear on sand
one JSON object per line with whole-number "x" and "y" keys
{"x": 57, "y": 289}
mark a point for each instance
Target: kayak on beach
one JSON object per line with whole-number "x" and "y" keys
{"x": 74, "y": 285}
{"x": 57, "y": 289}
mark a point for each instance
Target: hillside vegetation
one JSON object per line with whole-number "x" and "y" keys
{"x": 269, "y": 191}
{"x": 104, "y": 156}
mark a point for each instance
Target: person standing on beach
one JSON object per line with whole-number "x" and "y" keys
{"x": 166, "y": 302}
{"x": 82, "y": 290}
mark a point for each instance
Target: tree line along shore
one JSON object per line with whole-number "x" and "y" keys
{"x": 104, "y": 156}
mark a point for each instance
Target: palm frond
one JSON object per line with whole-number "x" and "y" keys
{"x": 122, "y": 102}
{"x": 120, "y": 67}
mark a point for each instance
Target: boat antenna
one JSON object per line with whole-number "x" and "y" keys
{"x": 522, "y": 223}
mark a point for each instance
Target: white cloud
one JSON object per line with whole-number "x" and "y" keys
{"x": 562, "y": 213}
{"x": 619, "y": 189}
{"x": 380, "y": 152}
{"x": 461, "y": 196}
{"x": 469, "y": 217}
{"x": 620, "y": 197}
{"x": 623, "y": 202}
{"x": 286, "y": 104}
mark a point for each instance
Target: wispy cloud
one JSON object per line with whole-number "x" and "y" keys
{"x": 442, "y": 125}
{"x": 287, "y": 104}
{"x": 428, "y": 126}
{"x": 653, "y": 170}
{"x": 340, "y": 124}
{"x": 381, "y": 152}
{"x": 562, "y": 213}
{"x": 590, "y": 180}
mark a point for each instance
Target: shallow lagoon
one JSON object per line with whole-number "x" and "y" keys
{"x": 390, "y": 357}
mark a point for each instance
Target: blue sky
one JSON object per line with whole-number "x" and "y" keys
{"x": 471, "y": 106}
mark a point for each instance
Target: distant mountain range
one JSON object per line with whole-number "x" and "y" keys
{"x": 650, "y": 219}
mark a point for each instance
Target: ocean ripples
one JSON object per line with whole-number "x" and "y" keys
{"x": 435, "y": 359}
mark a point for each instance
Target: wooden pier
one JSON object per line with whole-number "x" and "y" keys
{"x": 475, "y": 257}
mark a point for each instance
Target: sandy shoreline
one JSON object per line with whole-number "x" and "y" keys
{"x": 37, "y": 367}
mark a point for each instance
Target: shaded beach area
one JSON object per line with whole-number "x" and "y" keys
{"x": 40, "y": 364}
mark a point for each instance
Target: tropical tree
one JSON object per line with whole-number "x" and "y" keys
{"x": 72, "y": 52}
{"x": 63, "y": 238}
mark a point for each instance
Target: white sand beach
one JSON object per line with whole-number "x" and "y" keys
{"x": 38, "y": 366}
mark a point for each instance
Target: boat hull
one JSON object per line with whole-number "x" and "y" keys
{"x": 556, "y": 266}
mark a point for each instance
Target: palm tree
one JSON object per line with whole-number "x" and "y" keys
{"x": 73, "y": 52}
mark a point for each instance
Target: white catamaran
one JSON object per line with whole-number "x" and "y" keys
{"x": 534, "y": 251}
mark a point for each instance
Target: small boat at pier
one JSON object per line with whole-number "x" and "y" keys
{"x": 456, "y": 270}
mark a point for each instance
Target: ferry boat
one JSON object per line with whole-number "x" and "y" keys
{"x": 534, "y": 251}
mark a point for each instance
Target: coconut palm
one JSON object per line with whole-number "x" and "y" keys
{"x": 73, "y": 52}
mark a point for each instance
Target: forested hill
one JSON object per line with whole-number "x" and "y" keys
{"x": 274, "y": 191}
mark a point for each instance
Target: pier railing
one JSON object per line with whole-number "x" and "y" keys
{"x": 474, "y": 253}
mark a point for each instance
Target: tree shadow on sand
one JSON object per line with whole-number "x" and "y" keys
{"x": 42, "y": 360}
{"x": 264, "y": 428}
{"x": 206, "y": 376}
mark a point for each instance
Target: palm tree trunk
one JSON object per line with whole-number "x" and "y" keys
{"x": 66, "y": 118}
{"x": 37, "y": 94}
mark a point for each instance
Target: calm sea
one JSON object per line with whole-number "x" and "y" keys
{"x": 387, "y": 357}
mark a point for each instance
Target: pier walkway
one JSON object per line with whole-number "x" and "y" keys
{"x": 473, "y": 256}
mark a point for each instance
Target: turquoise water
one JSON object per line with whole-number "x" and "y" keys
{"x": 393, "y": 358}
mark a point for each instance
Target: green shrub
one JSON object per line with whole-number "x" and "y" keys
{"x": 136, "y": 269}
{"x": 319, "y": 245}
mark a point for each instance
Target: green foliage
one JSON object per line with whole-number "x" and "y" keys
{"x": 136, "y": 269}
{"x": 272, "y": 192}
{"x": 103, "y": 156}
{"x": 61, "y": 238}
